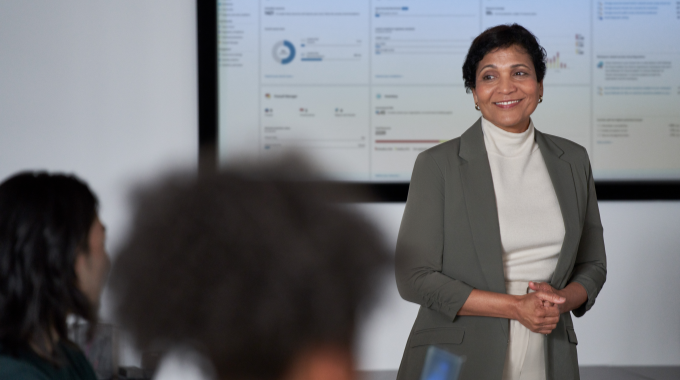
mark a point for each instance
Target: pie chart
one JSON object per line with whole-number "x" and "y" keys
{"x": 284, "y": 52}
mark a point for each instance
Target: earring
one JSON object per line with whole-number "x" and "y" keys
{"x": 540, "y": 99}
{"x": 477, "y": 106}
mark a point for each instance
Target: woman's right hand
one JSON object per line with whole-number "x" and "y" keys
{"x": 539, "y": 311}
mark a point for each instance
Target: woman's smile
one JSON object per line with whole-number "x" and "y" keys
{"x": 507, "y": 104}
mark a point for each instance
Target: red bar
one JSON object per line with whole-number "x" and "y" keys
{"x": 408, "y": 141}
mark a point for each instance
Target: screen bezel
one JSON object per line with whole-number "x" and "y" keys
{"x": 208, "y": 123}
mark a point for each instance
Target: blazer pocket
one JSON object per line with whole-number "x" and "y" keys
{"x": 447, "y": 335}
{"x": 571, "y": 334}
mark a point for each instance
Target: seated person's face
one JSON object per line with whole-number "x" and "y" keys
{"x": 92, "y": 267}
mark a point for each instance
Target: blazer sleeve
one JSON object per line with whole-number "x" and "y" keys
{"x": 420, "y": 244}
{"x": 590, "y": 267}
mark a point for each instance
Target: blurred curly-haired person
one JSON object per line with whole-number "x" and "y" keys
{"x": 259, "y": 275}
{"x": 52, "y": 264}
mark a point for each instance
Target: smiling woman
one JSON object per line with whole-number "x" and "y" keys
{"x": 507, "y": 89}
{"x": 501, "y": 236}
{"x": 505, "y": 67}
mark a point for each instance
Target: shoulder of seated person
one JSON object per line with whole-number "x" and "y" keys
{"x": 16, "y": 368}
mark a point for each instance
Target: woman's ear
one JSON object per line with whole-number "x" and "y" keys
{"x": 474, "y": 94}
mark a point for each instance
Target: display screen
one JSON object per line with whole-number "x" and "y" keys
{"x": 363, "y": 86}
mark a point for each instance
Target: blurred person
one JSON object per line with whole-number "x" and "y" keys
{"x": 255, "y": 273}
{"x": 501, "y": 238}
{"x": 53, "y": 264}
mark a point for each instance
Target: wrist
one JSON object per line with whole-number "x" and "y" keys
{"x": 515, "y": 302}
{"x": 566, "y": 306}
{"x": 563, "y": 308}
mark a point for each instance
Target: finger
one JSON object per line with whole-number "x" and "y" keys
{"x": 552, "y": 321}
{"x": 549, "y": 328}
{"x": 550, "y": 311}
{"x": 540, "y": 319}
{"x": 546, "y": 309}
{"x": 544, "y": 320}
{"x": 535, "y": 286}
{"x": 545, "y": 331}
{"x": 540, "y": 286}
{"x": 550, "y": 297}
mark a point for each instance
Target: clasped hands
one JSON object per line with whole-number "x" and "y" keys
{"x": 540, "y": 311}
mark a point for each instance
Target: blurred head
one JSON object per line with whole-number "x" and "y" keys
{"x": 257, "y": 274}
{"x": 504, "y": 69}
{"x": 52, "y": 258}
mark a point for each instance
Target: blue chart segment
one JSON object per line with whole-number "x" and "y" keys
{"x": 284, "y": 52}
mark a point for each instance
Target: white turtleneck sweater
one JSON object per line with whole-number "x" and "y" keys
{"x": 532, "y": 232}
{"x": 531, "y": 224}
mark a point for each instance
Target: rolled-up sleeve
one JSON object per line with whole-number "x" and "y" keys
{"x": 420, "y": 244}
{"x": 590, "y": 267}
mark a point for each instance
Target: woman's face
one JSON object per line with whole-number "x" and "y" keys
{"x": 93, "y": 267}
{"x": 507, "y": 90}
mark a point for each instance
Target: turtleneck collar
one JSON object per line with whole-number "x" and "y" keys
{"x": 508, "y": 144}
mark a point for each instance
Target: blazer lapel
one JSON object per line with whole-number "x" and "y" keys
{"x": 480, "y": 201}
{"x": 561, "y": 175}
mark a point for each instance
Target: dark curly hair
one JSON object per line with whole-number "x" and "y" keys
{"x": 500, "y": 37}
{"x": 45, "y": 220}
{"x": 247, "y": 269}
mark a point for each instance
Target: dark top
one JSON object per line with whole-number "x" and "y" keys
{"x": 27, "y": 365}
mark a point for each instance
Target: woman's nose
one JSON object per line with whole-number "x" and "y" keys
{"x": 506, "y": 86}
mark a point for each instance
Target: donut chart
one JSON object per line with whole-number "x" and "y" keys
{"x": 283, "y": 52}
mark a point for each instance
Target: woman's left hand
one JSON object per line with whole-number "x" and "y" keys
{"x": 574, "y": 293}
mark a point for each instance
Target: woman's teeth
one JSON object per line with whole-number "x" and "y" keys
{"x": 507, "y": 103}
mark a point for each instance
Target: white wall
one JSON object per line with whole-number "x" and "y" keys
{"x": 103, "y": 89}
{"x": 108, "y": 90}
{"x": 635, "y": 321}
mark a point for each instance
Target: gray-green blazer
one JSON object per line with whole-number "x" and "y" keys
{"x": 449, "y": 243}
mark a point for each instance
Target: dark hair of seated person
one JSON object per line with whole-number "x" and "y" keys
{"x": 45, "y": 220}
{"x": 500, "y": 37}
{"x": 248, "y": 268}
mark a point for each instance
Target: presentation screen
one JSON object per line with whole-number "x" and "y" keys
{"x": 362, "y": 86}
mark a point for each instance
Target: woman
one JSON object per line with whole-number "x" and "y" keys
{"x": 501, "y": 236}
{"x": 52, "y": 263}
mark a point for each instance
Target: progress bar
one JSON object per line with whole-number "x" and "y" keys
{"x": 409, "y": 141}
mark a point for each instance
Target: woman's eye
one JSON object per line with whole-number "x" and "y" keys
{"x": 487, "y": 77}
{"x": 520, "y": 73}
